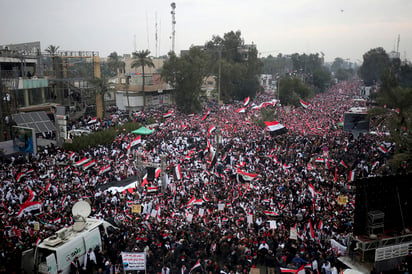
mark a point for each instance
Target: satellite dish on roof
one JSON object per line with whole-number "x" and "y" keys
{"x": 81, "y": 210}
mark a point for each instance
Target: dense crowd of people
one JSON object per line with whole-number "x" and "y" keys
{"x": 220, "y": 205}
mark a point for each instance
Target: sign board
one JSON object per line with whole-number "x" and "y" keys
{"x": 342, "y": 200}
{"x": 136, "y": 208}
{"x": 24, "y": 139}
{"x": 293, "y": 233}
{"x": 134, "y": 261}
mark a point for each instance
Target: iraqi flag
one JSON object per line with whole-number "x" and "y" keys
{"x": 383, "y": 149}
{"x": 29, "y": 206}
{"x": 343, "y": 164}
{"x": 104, "y": 169}
{"x": 92, "y": 121}
{"x": 152, "y": 189}
{"x": 211, "y": 129}
{"x": 195, "y": 266}
{"x": 19, "y": 176}
{"x": 157, "y": 172}
{"x": 303, "y": 103}
{"x": 135, "y": 141}
{"x": 178, "y": 172}
{"x": 168, "y": 114}
{"x": 274, "y": 126}
{"x": 312, "y": 232}
{"x": 207, "y": 114}
{"x": 312, "y": 190}
{"x": 191, "y": 201}
{"x": 270, "y": 213}
{"x": 89, "y": 164}
{"x": 37, "y": 242}
{"x": 246, "y": 101}
{"x": 241, "y": 110}
{"x": 81, "y": 162}
{"x": 247, "y": 176}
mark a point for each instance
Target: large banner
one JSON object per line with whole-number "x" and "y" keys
{"x": 134, "y": 261}
{"x": 24, "y": 139}
{"x": 338, "y": 248}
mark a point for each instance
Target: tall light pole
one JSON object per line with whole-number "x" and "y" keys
{"x": 173, "y": 5}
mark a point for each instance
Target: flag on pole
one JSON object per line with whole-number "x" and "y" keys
{"x": 383, "y": 149}
{"x": 28, "y": 207}
{"x": 246, "y": 176}
{"x": 312, "y": 190}
{"x": 135, "y": 141}
{"x": 246, "y": 101}
{"x": 303, "y": 103}
{"x": 92, "y": 121}
{"x": 81, "y": 162}
{"x": 152, "y": 189}
{"x": 211, "y": 129}
{"x": 168, "y": 114}
{"x": 195, "y": 266}
{"x": 207, "y": 114}
{"x": 104, "y": 169}
{"x": 343, "y": 164}
{"x": 89, "y": 164}
{"x": 241, "y": 110}
{"x": 312, "y": 232}
{"x": 19, "y": 176}
{"x": 157, "y": 172}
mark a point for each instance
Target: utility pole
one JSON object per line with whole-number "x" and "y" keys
{"x": 173, "y": 5}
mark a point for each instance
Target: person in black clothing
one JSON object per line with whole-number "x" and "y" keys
{"x": 75, "y": 267}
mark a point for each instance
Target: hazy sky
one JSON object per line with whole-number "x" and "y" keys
{"x": 338, "y": 28}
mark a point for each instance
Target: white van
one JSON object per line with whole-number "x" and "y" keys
{"x": 56, "y": 253}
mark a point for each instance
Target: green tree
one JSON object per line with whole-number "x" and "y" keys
{"x": 292, "y": 89}
{"x": 52, "y": 50}
{"x": 337, "y": 64}
{"x": 186, "y": 74}
{"x": 142, "y": 59}
{"x": 344, "y": 74}
{"x": 240, "y": 65}
{"x": 321, "y": 79}
{"x": 278, "y": 65}
{"x": 306, "y": 63}
{"x": 375, "y": 62}
{"x": 115, "y": 63}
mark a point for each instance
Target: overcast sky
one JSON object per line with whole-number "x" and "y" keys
{"x": 338, "y": 28}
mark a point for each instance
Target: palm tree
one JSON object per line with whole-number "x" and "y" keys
{"x": 52, "y": 50}
{"x": 115, "y": 63}
{"x": 142, "y": 59}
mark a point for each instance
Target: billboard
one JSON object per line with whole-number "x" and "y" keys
{"x": 24, "y": 139}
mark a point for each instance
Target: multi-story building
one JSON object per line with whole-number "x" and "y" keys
{"x": 129, "y": 88}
